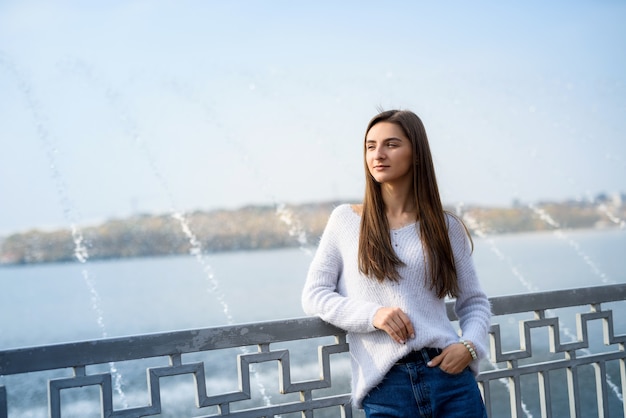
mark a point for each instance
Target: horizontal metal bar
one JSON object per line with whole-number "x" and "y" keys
{"x": 551, "y": 365}
{"x": 285, "y": 408}
{"x": 505, "y": 305}
{"x": 24, "y": 360}
{"x": 58, "y": 356}
{"x": 530, "y": 302}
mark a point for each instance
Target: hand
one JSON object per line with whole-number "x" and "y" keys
{"x": 395, "y": 323}
{"x": 453, "y": 359}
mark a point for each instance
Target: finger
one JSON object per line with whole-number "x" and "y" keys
{"x": 397, "y": 320}
{"x": 391, "y": 321}
{"x": 454, "y": 361}
{"x": 406, "y": 324}
{"x": 396, "y": 332}
{"x": 398, "y": 328}
{"x": 394, "y": 327}
{"x": 435, "y": 361}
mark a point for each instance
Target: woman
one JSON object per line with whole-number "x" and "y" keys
{"x": 381, "y": 272}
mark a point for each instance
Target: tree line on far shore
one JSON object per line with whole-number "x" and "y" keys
{"x": 266, "y": 227}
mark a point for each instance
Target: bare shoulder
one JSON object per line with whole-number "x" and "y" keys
{"x": 357, "y": 208}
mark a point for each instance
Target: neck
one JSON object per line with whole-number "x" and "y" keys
{"x": 398, "y": 199}
{"x": 400, "y": 206}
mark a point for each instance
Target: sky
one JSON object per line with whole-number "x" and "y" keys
{"x": 109, "y": 109}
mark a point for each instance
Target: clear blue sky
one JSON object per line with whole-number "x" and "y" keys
{"x": 118, "y": 107}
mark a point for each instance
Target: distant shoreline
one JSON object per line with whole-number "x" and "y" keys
{"x": 269, "y": 227}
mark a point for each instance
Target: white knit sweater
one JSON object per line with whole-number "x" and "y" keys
{"x": 338, "y": 293}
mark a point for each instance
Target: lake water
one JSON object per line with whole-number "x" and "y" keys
{"x": 54, "y": 303}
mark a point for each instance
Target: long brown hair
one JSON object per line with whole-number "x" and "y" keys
{"x": 377, "y": 259}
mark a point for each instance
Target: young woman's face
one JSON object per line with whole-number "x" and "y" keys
{"x": 388, "y": 153}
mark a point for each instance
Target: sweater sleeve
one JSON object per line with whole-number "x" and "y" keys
{"x": 472, "y": 305}
{"x": 321, "y": 296}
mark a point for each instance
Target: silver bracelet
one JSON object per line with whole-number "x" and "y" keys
{"x": 470, "y": 349}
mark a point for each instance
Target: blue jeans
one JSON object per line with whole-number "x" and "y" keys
{"x": 414, "y": 390}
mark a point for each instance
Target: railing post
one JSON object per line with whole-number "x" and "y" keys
{"x": 3, "y": 402}
{"x": 572, "y": 387}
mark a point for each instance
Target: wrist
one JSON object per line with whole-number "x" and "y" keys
{"x": 470, "y": 347}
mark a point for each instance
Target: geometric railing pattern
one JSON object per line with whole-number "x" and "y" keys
{"x": 567, "y": 353}
{"x": 550, "y": 369}
{"x": 173, "y": 345}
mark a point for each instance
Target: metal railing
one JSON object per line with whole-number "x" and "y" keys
{"x": 547, "y": 368}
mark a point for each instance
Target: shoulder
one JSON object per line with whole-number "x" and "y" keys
{"x": 346, "y": 210}
{"x": 458, "y": 232}
{"x": 453, "y": 221}
{"x": 456, "y": 226}
{"x": 357, "y": 208}
{"x": 343, "y": 224}
{"x": 342, "y": 217}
